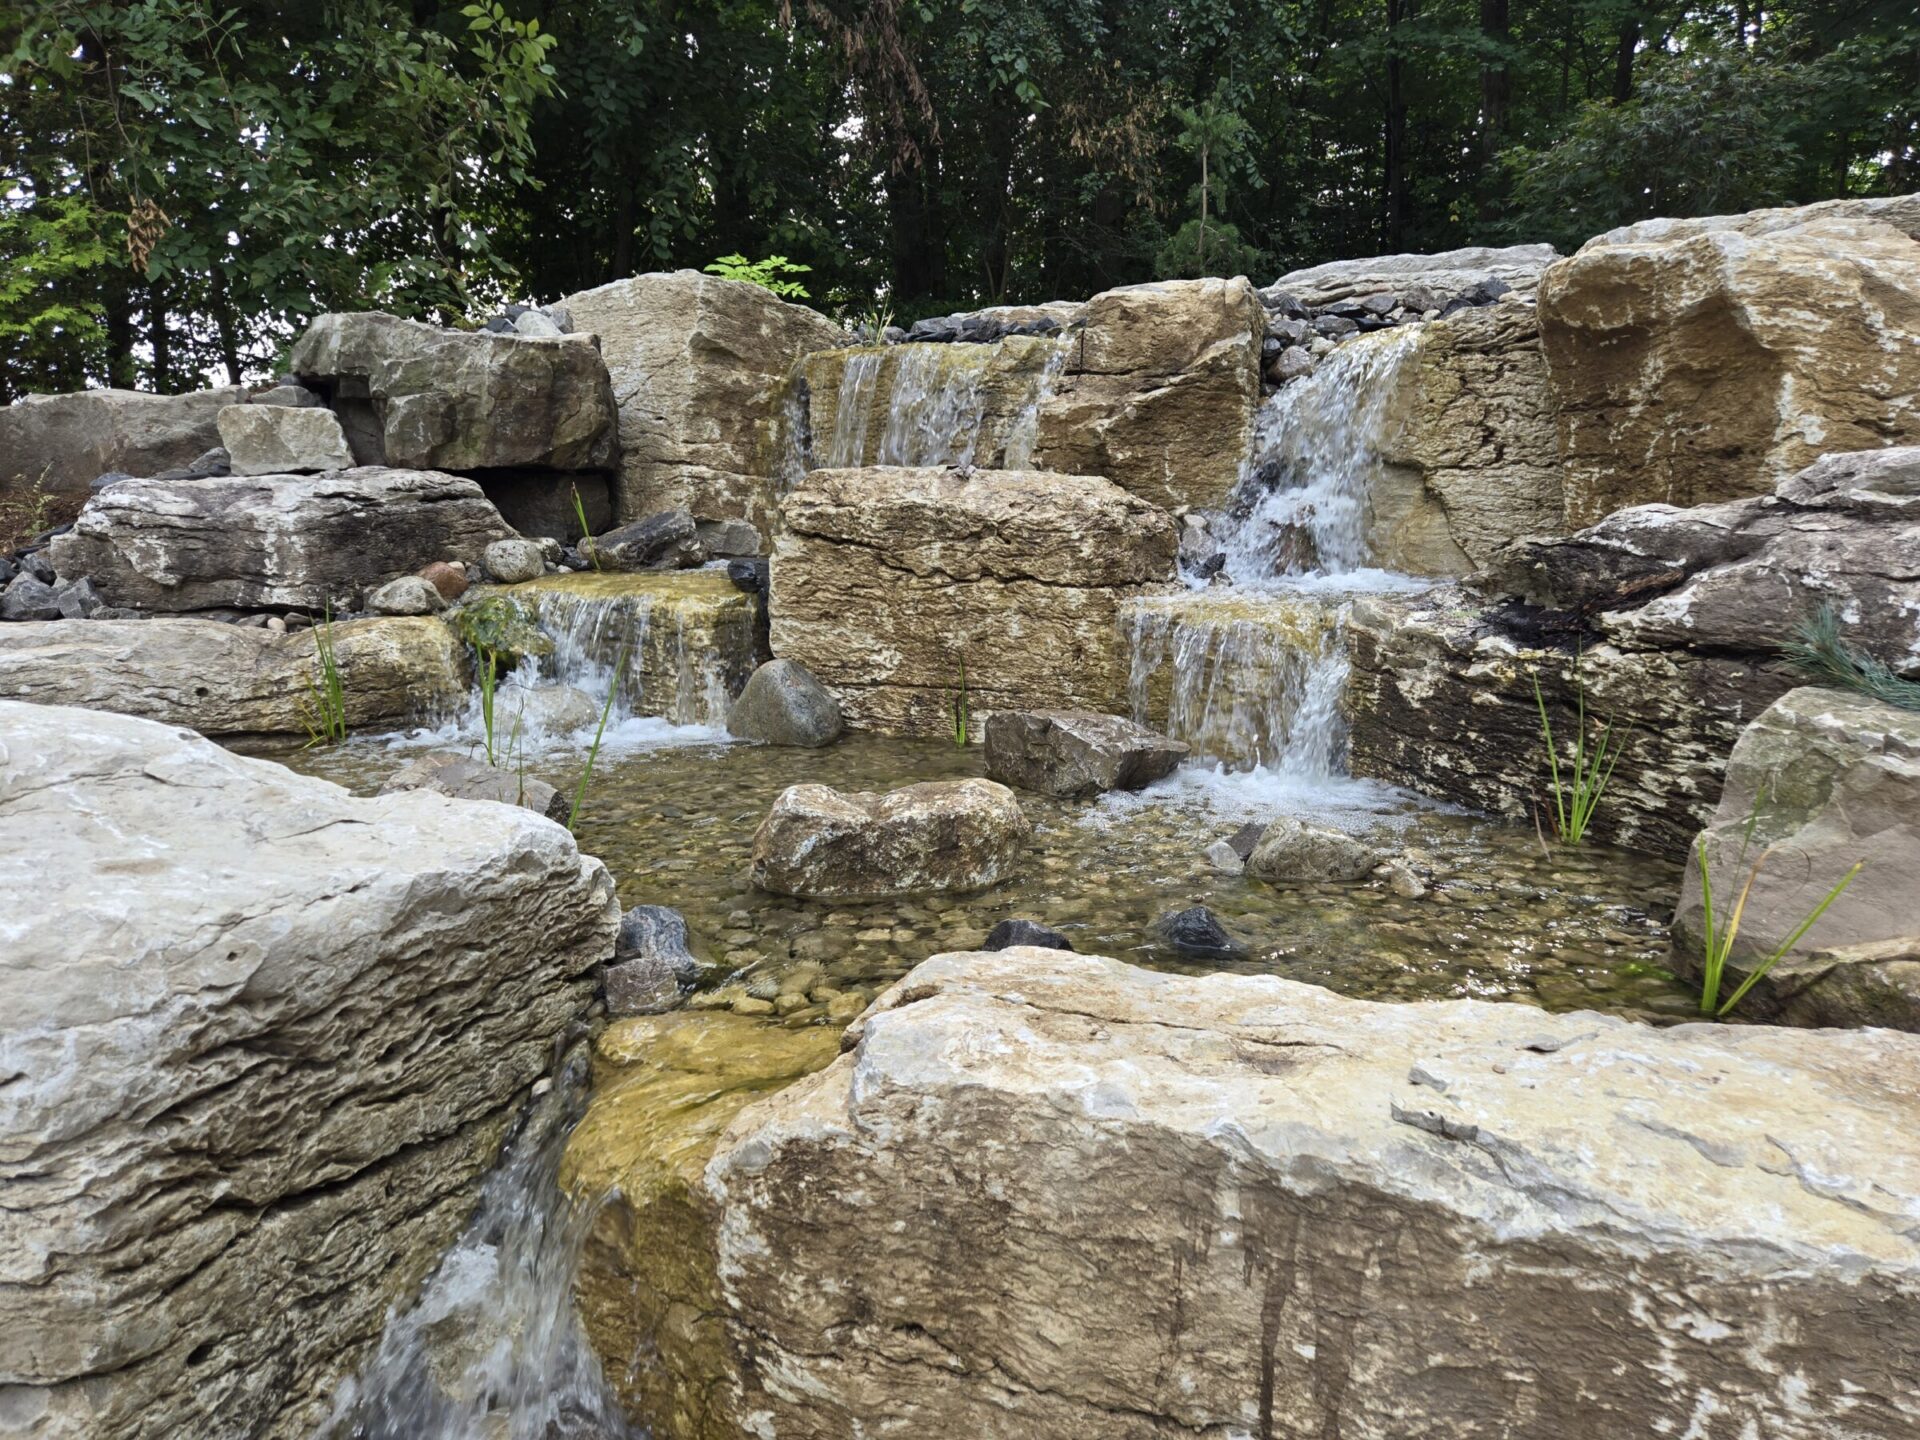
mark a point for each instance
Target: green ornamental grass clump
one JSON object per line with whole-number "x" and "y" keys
{"x": 1819, "y": 653}
{"x": 1579, "y": 785}
{"x": 324, "y": 711}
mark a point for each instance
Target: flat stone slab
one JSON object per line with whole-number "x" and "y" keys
{"x": 1076, "y": 754}
{"x": 1046, "y": 1194}
{"x": 260, "y": 1040}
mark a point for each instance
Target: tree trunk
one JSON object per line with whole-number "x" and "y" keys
{"x": 1624, "y": 49}
{"x": 917, "y": 240}
{"x": 159, "y": 338}
{"x": 1393, "y": 228}
{"x": 1496, "y": 80}
{"x": 1203, "y": 210}
{"x": 118, "y": 302}
{"x": 223, "y": 323}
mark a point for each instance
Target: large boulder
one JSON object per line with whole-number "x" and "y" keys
{"x": 941, "y": 836}
{"x": 262, "y": 1040}
{"x": 1135, "y": 1205}
{"x": 1159, "y": 390}
{"x": 784, "y": 705}
{"x": 1708, "y": 360}
{"x": 235, "y": 679}
{"x": 283, "y": 439}
{"x": 699, "y": 368}
{"x": 886, "y": 583}
{"x": 63, "y": 443}
{"x": 273, "y": 541}
{"x": 416, "y": 396}
{"x": 1823, "y": 780}
{"x": 1076, "y": 754}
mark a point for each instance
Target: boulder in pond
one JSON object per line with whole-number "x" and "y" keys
{"x": 784, "y": 705}
{"x": 652, "y": 962}
{"x": 938, "y": 836}
{"x": 1009, "y": 933}
{"x": 282, "y": 440}
{"x": 264, "y": 1040}
{"x": 462, "y": 778}
{"x": 1463, "y": 1203}
{"x": 1076, "y": 754}
{"x": 1198, "y": 933}
{"x": 549, "y": 710}
{"x": 269, "y": 542}
{"x": 1297, "y": 852}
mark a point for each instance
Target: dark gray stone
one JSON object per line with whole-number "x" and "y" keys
{"x": 1246, "y": 838}
{"x": 1076, "y": 754}
{"x": 39, "y": 564}
{"x": 652, "y": 963}
{"x": 79, "y": 600}
{"x": 667, "y": 541}
{"x": 1335, "y": 327}
{"x": 28, "y": 597}
{"x": 1009, "y": 933}
{"x": 112, "y": 477}
{"x": 783, "y": 704}
{"x": 1197, "y": 931}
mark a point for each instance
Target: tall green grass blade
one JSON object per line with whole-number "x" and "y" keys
{"x": 1755, "y": 975}
{"x": 586, "y": 530}
{"x": 593, "y": 754}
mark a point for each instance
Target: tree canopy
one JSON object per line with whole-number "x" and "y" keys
{"x": 186, "y": 181}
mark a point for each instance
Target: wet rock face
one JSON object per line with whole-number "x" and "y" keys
{"x": 699, "y": 367}
{"x": 1703, "y": 361}
{"x": 940, "y": 836}
{"x": 273, "y": 541}
{"x": 885, "y": 582}
{"x": 419, "y": 397}
{"x": 1824, "y": 779}
{"x": 1159, "y": 390}
{"x": 68, "y": 441}
{"x": 234, "y": 679}
{"x": 1420, "y": 1194}
{"x": 265, "y": 1038}
{"x": 1076, "y": 753}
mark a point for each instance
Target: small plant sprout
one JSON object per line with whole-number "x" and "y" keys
{"x": 1719, "y": 931}
{"x": 767, "y": 274}
{"x": 324, "y": 711}
{"x": 962, "y": 715}
{"x": 1577, "y": 789}
{"x": 593, "y": 753}
{"x": 489, "y": 676}
{"x": 586, "y": 530}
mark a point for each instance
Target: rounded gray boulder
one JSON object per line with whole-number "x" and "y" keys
{"x": 784, "y": 705}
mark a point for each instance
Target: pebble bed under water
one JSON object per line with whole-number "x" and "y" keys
{"x": 1502, "y": 920}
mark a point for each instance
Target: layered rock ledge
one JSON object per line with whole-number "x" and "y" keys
{"x": 1134, "y": 1205}
{"x": 260, "y": 1039}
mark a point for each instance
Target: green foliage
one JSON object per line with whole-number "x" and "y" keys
{"x": 1576, "y": 795}
{"x": 1222, "y": 252}
{"x": 764, "y": 273}
{"x": 593, "y": 752}
{"x": 324, "y": 711}
{"x": 1819, "y": 653}
{"x": 500, "y": 629}
{"x": 586, "y": 530}
{"x": 1719, "y": 930}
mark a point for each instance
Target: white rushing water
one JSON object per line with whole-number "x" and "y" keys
{"x": 1251, "y": 669}
{"x": 491, "y": 1348}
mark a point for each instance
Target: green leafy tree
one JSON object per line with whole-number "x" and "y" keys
{"x": 1217, "y": 136}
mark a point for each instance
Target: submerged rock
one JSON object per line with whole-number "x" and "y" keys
{"x": 264, "y": 1039}
{"x": 784, "y": 705}
{"x": 549, "y": 710}
{"x": 467, "y": 779}
{"x": 948, "y": 835}
{"x": 1434, "y": 1196}
{"x": 1009, "y": 933}
{"x": 652, "y": 962}
{"x": 1198, "y": 932}
{"x": 1076, "y": 754}
{"x": 1292, "y": 851}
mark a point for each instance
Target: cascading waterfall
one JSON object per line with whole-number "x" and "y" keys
{"x": 847, "y": 445}
{"x": 1024, "y": 433}
{"x": 671, "y": 671}
{"x": 1251, "y": 671}
{"x": 934, "y": 409}
{"x": 491, "y": 1346}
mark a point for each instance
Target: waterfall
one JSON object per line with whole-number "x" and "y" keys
{"x": 847, "y": 444}
{"x": 1024, "y": 433}
{"x": 491, "y": 1346}
{"x": 674, "y": 667}
{"x": 934, "y": 407}
{"x": 1251, "y": 671}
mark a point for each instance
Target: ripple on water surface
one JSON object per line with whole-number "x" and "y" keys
{"x": 675, "y": 822}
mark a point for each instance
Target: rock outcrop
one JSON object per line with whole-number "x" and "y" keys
{"x": 1158, "y": 391}
{"x": 282, "y": 439}
{"x": 886, "y": 582}
{"x": 1076, "y": 754}
{"x": 234, "y": 679}
{"x": 262, "y": 1039}
{"x": 420, "y": 397}
{"x": 699, "y": 368}
{"x": 1446, "y": 275}
{"x": 270, "y": 542}
{"x": 1824, "y": 779}
{"x": 65, "y": 442}
{"x": 1707, "y": 360}
{"x": 1134, "y": 1205}
{"x": 941, "y": 836}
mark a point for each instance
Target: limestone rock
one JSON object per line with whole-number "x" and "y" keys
{"x": 408, "y": 595}
{"x": 699, "y": 367}
{"x": 272, "y": 541}
{"x": 1159, "y": 391}
{"x": 416, "y": 396}
{"x": 884, "y": 582}
{"x": 784, "y": 705}
{"x": 464, "y": 779}
{"x": 1076, "y": 754}
{"x": 1293, "y": 852}
{"x": 1822, "y": 780}
{"x": 264, "y": 1039}
{"x": 66, "y": 441}
{"x": 1448, "y": 274}
{"x": 281, "y": 440}
{"x": 514, "y": 560}
{"x": 1427, "y": 1195}
{"x": 234, "y": 679}
{"x": 1902, "y": 212}
{"x": 1702, "y": 362}
{"x": 936, "y": 837}
{"x": 667, "y": 541}
{"x": 996, "y": 322}
{"x": 549, "y": 710}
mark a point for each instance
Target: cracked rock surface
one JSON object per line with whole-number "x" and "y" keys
{"x": 1134, "y": 1205}
{"x": 258, "y": 1039}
